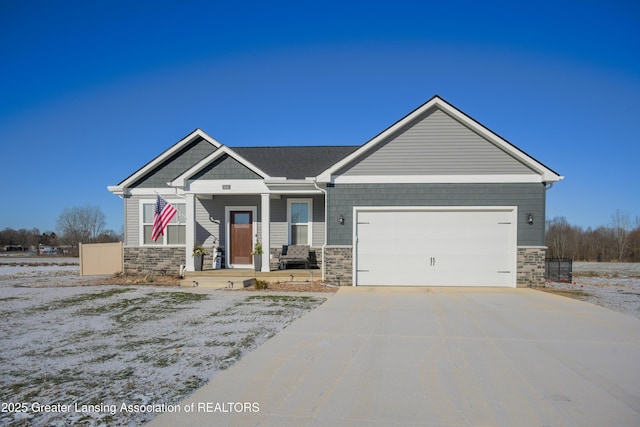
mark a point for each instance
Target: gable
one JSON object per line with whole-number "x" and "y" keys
{"x": 226, "y": 167}
{"x": 176, "y": 164}
{"x": 436, "y": 144}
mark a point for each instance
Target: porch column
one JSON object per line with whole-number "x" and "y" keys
{"x": 190, "y": 229}
{"x": 265, "y": 206}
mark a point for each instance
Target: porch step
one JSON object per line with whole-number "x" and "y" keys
{"x": 234, "y": 282}
{"x": 240, "y": 277}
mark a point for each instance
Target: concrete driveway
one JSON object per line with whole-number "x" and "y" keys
{"x": 434, "y": 357}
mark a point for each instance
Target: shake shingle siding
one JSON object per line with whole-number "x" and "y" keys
{"x": 226, "y": 167}
{"x": 529, "y": 198}
{"x": 175, "y": 165}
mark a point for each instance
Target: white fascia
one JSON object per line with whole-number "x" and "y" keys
{"x": 227, "y": 186}
{"x": 164, "y": 192}
{"x": 437, "y": 179}
{"x": 198, "y": 133}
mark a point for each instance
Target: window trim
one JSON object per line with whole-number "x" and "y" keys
{"x": 141, "y": 224}
{"x": 309, "y": 202}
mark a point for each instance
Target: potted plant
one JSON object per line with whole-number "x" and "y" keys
{"x": 198, "y": 254}
{"x": 257, "y": 256}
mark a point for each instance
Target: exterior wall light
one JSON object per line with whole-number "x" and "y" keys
{"x": 341, "y": 219}
{"x": 530, "y": 219}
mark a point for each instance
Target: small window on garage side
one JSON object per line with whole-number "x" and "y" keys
{"x": 299, "y": 213}
{"x": 174, "y": 234}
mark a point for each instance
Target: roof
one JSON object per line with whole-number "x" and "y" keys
{"x": 294, "y": 162}
{"x": 323, "y": 163}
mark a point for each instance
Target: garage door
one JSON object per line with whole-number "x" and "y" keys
{"x": 435, "y": 247}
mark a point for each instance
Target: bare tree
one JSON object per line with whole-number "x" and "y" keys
{"x": 621, "y": 228}
{"x": 80, "y": 224}
{"x": 560, "y": 238}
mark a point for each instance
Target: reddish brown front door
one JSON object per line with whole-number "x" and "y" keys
{"x": 241, "y": 237}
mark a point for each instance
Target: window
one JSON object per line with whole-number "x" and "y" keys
{"x": 174, "y": 234}
{"x": 299, "y": 214}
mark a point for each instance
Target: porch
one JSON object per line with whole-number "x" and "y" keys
{"x": 240, "y": 277}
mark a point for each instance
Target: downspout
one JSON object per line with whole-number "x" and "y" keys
{"x": 324, "y": 244}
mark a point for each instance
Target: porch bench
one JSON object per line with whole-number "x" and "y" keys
{"x": 294, "y": 255}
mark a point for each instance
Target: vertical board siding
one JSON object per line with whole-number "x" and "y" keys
{"x": 436, "y": 144}
{"x": 529, "y": 198}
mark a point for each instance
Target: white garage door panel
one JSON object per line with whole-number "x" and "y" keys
{"x": 464, "y": 247}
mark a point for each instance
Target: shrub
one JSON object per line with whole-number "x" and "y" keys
{"x": 260, "y": 284}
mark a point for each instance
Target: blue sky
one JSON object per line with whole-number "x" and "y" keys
{"x": 91, "y": 91}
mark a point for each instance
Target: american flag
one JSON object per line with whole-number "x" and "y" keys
{"x": 161, "y": 217}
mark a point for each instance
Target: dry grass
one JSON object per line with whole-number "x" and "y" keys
{"x": 129, "y": 280}
{"x": 577, "y": 293}
{"x": 315, "y": 286}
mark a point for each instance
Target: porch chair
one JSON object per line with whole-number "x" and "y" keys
{"x": 294, "y": 255}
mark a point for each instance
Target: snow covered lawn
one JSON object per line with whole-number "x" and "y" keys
{"x": 88, "y": 349}
{"x": 615, "y": 286}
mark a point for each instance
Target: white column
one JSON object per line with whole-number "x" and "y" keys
{"x": 265, "y": 206}
{"x": 190, "y": 229}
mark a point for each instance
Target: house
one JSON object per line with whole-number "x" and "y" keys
{"x": 436, "y": 199}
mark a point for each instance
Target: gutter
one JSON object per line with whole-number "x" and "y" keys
{"x": 326, "y": 219}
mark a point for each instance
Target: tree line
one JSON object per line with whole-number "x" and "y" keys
{"x": 618, "y": 241}
{"x": 85, "y": 224}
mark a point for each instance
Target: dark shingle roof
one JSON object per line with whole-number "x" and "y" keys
{"x": 294, "y": 162}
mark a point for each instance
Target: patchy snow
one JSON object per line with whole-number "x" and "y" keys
{"x": 615, "y": 286}
{"x": 101, "y": 346}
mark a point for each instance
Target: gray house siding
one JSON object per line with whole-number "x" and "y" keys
{"x": 279, "y": 232}
{"x": 529, "y": 198}
{"x": 209, "y": 223}
{"x": 175, "y": 165}
{"x": 132, "y": 217}
{"x": 132, "y": 221}
{"x": 279, "y": 223}
{"x": 436, "y": 144}
{"x": 211, "y": 212}
{"x": 226, "y": 167}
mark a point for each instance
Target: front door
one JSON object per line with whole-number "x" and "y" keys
{"x": 241, "y": 237}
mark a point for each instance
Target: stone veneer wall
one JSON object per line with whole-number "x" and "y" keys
{"x": 531, "y": 266}
{"x": 144, "y": 260}
{"x": 339, "y": 266}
